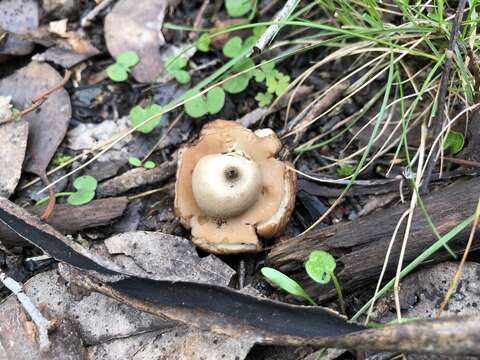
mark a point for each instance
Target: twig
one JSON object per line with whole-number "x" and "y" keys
{"x": 442, "y": 93}
{"x": 94, "y": 12}
{"x": 43, "y": 324}
{"x": 456, "y": 278}
{"x": 273, "y": 29}
{"x": 40, "y": 99}
{"x": 198, "y": 19}
{"x": 51, "y": 198}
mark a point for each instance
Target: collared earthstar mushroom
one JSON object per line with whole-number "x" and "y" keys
{"x": 230, "y": 189}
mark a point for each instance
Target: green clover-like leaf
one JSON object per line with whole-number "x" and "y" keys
{"x": 264, "y": 99}
{"x": 81, "y": 198}
{"x": 237, "y": 8}
{"x": 203, "y": 43}
{"x": 454, "y": 142}
{"x": 128, "y": 59}
{"x": 196, "y": 107}
{"x": 182, "y": 76}
{"x": 139, "y": 115}
{"x": 233, "y": 47}
{"x": 320, "y": 266}
{"x": 117, "y": 72}
{"x": 202, "y": 105}
{"x": 240, "y": 83}
{"x": 175, "y": 63}
{"x": 134, "y": 161}
{"x": 215, "y": 100}
{"x": 86, "y": 186}
{"x": 149, "y": 165}
{"x": 85, "y": 183}
{"x": 259, "y": 30}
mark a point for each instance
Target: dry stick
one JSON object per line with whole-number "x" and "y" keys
{"x": 95, "y": 11}
{"x": 273, "y": 29}
{"x": 456, "y": 278}
{"x": 43, "y": 324}
{"x": 198, "y": 19}
{"x": 442, "y": 93}
{"x": 51, "y": 198}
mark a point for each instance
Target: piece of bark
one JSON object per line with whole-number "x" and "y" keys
{"x": 69, "y": 219}
{"x": 360, "y": 246}
{"x": 135, "y": 178}
{"x": 12, "y": 147}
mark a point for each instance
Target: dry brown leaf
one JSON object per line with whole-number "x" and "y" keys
{"x": 17, "y": 17}
{"x": 47, "y": 124}
{"x": 129, "y": 27}
{"x": 12, "y": 147}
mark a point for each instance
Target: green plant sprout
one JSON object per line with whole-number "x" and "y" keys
{"x": 119, "y": 70}
{"x": 85, "y": 186}
{"x": 276, "y": 82}
{"x": 210, "y": 104}
{"x": 345, "y": 171}
{"x": 454, "y": 142}
{"x": 139, "y": 115}
{"x": 286, "y": 283}
{"x": 237, "y": 8}
{"x": 60, "y": 159}
{"x": 320, "y": 268}
{"x": 203, "y": 43}
{"x": 136, "y": 162}
{"x": 175, "y": 66}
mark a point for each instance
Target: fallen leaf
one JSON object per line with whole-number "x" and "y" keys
{"x": 130, "y": 27}
{"x": 12, "y": 147}
{"x": 17, "y": 17}
{"x": 17, "y": 333}
{"x": 97, "y": 317}
{"x": 47, "y": 124}
{"x": 167, "y": 257}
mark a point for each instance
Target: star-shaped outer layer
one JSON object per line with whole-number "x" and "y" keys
{"x": 267, "y": 217}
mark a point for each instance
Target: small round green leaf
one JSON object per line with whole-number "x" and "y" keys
{"x": 320, "y": 266}
{"x": 81, "y": 197}
{"x": 203, "y": 43}
{"x": 454, "y": 142}
{"x": 117, "y": 73}
{"x": 149, "y": 165}
{"x": 138, "y": 115}
{"x": 134, "y": 161}
{"x": 238, "y": 8}
{"x": 182, "y": 76}
{"x": 283, "y": 281}
{"x": 128, "y": 59}
{"x": 215, "y": 100}
{"x": 196, "y": 107}
{"x": 264, "y": 99}
{"x": 232, "y": 47}
{"x": 85, "y": 183}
